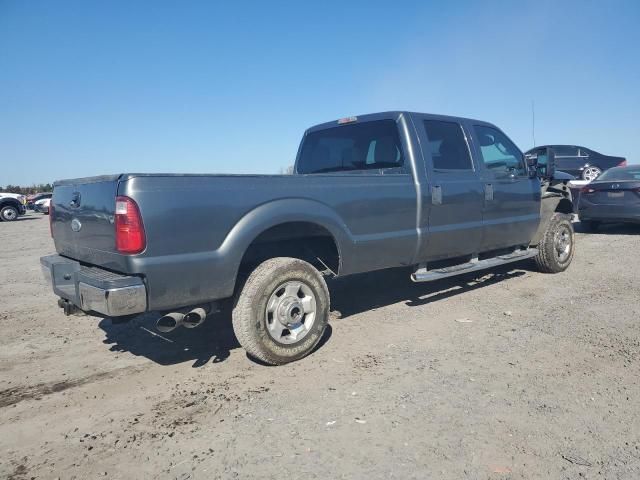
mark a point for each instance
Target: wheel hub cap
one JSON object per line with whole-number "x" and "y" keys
{"x": 9, "y": 214}
{"x": 562, "y": 243}
{"x": 290, "y": 312}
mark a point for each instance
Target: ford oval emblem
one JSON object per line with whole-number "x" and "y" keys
{"x": 76, "y": 225}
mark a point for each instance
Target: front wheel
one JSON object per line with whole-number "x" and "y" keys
{"x": 282, "y": 310}
{"x": 557, "y": 247}
{"x": 9, "y": 213}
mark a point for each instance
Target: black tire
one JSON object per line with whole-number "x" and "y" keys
{"x": 553, "y": 257}
{"x": 251, "y": 319}
{"x": 9, "y": 213}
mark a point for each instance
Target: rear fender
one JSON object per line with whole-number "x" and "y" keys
{"x": 271, "y": 214}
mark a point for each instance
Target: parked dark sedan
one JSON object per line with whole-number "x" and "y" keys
{"x": 581, "y": 162}
{"x": 613, "y": 197}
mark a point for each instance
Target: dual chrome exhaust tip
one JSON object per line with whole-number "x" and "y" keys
{"x": 173, "y": 320}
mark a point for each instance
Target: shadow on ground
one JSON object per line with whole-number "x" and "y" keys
{"x": 359, "y": 293}
{"x": 214, "y": 340}
{"x": 211, "y": 342}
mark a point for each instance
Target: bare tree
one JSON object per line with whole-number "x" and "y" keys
{"x": 286, "y": 170}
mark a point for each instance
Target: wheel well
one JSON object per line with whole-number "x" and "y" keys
{"x": 304, "y": 240}
{"x": 564, "y": 206}
{"x": 548, "y": 207}
{"x": 6, "y": 202}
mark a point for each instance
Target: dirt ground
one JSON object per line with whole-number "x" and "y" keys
{"x": 507, "y": 375}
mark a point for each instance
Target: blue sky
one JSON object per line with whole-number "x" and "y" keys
{"x": 94, "y": 87}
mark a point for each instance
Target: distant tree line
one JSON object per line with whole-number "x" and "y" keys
{"x": 41, "y": 187}
{"x": 286, "y": 170}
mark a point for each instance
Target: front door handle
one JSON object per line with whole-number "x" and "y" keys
{"x": 436, "y": 195}
{"x": 488, "y": 191}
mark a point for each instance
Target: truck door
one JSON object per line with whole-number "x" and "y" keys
{"x": 511, "y": 198}
{"x": 455, "y": 201}
{"x": 361, "y": 169}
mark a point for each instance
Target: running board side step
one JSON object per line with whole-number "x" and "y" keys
{"x": 424, "y": 275}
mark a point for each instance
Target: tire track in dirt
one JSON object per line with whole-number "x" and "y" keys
{"x": 11, "y": 396}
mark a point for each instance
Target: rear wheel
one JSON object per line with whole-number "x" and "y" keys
{"x": 591, "y": 173}
{"x": 282, "y": 310}
{"x": 9, "y": 213}
{"x": 556, "y": 248}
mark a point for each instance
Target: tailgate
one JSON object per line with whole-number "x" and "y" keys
{"x": 82, "y": 221}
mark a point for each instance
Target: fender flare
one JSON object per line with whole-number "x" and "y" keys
{"x": 10, "y": 201}
{"x": 548, "y": 206}
{"x": 277, "y": 212}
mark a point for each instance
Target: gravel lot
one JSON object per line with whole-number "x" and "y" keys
{"x": 511, "y": 374}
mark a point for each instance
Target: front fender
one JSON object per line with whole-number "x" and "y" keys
{"x": 551, "y": 204}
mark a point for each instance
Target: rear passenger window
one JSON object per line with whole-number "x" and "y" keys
{"x": 566, "y": 151}
{"x": 368, "y": 146}
{"x": 448, "y": 146}
{"x": 499, "y": 154}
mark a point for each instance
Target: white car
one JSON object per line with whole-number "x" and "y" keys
{"x": 42, "y": 206}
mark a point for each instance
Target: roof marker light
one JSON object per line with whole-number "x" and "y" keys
{"x": 342, "y": 121}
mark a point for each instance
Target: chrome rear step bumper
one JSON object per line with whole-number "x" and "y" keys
{"x": 93, "y": 289}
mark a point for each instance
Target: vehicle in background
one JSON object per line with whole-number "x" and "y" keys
{"x": 42, "y": 206}
{"x": 576, "y": 188}
{"x": 32, "y": 199}
{"x": 12, "y": 205}
{"x": 444, "y": 195}
{"x": 614, "y": 197}
{"x": 581, "y": 162}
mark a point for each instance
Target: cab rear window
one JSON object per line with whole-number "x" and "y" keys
{"x": 371, "y": 147}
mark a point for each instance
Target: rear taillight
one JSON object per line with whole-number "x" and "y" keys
{"x": 51, "y": 219}
{"x": 587, "y": 190}
{"x": 130, "y": 236}
{"x": 623, "y": 163}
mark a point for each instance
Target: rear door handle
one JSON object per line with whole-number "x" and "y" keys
{"x": 436, "y": 195}
{"x": 488, "y": 191}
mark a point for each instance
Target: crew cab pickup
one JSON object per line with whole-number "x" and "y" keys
{"x": 441, "y": 194}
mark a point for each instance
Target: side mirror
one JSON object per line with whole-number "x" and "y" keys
{"x": 532, "y": 164}
{"x": 551, "y": 163}
{"x": 542, "y": 164}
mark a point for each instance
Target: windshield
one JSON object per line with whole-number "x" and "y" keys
{"x": 356, "y": 147}
{"x": 621, "y": 174}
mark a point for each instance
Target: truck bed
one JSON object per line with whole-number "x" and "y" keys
{"x": 198, "y": 226}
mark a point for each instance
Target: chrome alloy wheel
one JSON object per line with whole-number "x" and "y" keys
{"x": 562, "y": 243}
{"x": 290, "y": 312}
{"x": 9, "y": 214}
{"x": 591, "y": 173}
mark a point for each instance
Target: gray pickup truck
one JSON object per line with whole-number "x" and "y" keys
{"x": 441, "y": 194}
